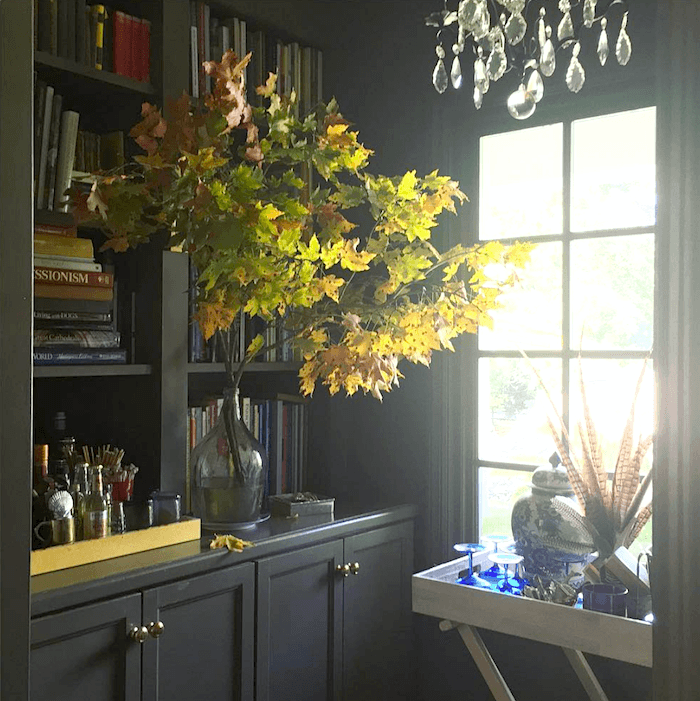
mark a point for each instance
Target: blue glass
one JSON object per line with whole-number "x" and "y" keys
{"x": 506, "y": 582}
{"x": 473, "y": 579}
{"x": 493, "y": 573}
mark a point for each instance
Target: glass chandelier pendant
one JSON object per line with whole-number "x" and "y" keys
{"x": 439, "y": 72}
{"x": 521, "y": 104}
{"x": 565, "y": 30}
{"x": 456, "y": 72}
{"x": 589, "y": 12}
{"x": 541, "y": 31}
{"x": 497, "y": 62}
{"x": 481, "y": 79}
{"x": 478, "y": 98}
{"x": 548, "y": 61}
{"x": 575, "y": 75}
{"x": 623, "y": 48}
{"x": 515, "y": 28}
{"x": 603, "y": 50}
{"x": 535, "y": 85}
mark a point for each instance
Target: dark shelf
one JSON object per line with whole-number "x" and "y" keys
{"x": 215, "y": 368}
{"x": 91, "y": 370}
{"x": 57, "y": 65}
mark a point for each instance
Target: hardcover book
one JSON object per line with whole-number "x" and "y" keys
{"x": 81, "y": 338}
{"x": 54, "y": 245}
{"x": 68, "y": 306}
{"x": 59, "y": 276}
{"x": 66, "y": 262}
{"x": 79, "y": 356}
{"x": 65, "y": 291}
{"x": 66, "y": 158}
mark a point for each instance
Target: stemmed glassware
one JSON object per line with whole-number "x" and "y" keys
{"x": 472, "y": 579}
{"x": 492, "y": 574}
{"x": 505, "y": 582}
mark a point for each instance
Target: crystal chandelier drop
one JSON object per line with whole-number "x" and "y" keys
{"x": 501, "y": 41}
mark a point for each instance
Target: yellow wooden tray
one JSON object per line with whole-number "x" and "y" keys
{"x": 61, "y": 557}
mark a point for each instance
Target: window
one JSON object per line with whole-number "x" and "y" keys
{"x": 584, "y": 191}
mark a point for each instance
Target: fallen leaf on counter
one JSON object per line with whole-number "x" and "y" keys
{"x": 230, "y": 542}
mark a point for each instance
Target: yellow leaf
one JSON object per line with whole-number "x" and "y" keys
{"x": 407, "y": 186}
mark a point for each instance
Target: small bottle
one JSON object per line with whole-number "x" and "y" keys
{"x": 41, "y": 468}
{"x": 95, "y": 523}
{"x": 109, "y": 500}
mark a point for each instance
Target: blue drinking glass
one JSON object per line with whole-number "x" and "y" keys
{"x": 493, "y": 573}
{"x": 473, "y": 579}
{"x": 508, "y": 583}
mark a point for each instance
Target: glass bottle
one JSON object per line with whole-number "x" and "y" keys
{"x": 95, "y": 523}
{"x": 79, "y": 489}
{"x": 108, "y": 499}
{"x": 228, "y": 485}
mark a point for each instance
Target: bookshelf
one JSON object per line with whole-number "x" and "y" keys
{"x": 144, "y": 404}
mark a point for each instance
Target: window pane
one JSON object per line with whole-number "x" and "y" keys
{"x": 513, "y": 409}
{"x": 498, "y": 491}
{"x": 610, "y": 386}
{"x": 531, "y": 315}
{"x": 613, "y": 183}
{"x": 520, "y": 188}
{"x": 612, "y": 292}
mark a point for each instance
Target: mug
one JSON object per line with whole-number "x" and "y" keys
{"x": 137, "y": 515}
{"x": 62, "y": 531}
{"x": 166, "y": 507}
{"x": 606, "y": 598}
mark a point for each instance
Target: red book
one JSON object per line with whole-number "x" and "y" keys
{"x": 145, "y": 53}
{"x": 134, "y": 27}
{"x": 66, "y": 276}
{"x": 119, "y": 43}
{"x": 56, "y": 229}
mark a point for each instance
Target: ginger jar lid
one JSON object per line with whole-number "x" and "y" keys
{"x": 552, "y": 478}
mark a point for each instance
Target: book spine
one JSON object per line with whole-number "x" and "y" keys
{"x": 74, "y": 306}
{"x": 80, "y": 28}
{"x": 71, "y": 320}
{"x": 134, "y": 43}
{"x": 70, "y": 35}
{"x": 119, "y": 42}
{"x": 49, "y": 244}
{"x": 39, "y": 102}
{"x": 86, "y": 356}
{"x": 52, "y": 153}
{"x": 145, "y": 51}
{"x": 57, "y": 229}
{"x": 61, "y": 291}
{"x": 63, "y": 264}
{"x": 66, "y": 158}
{"x": 194, "y": 43}
{"x": 39, "y": 195}
{"x": 43, "y": 26}
{"x": 108, "y": 41}
{"x": 81, "y": 338}
{"x": 62, "y": 28}
{"x": 53, "y": 27}
{"x": 99, "y": 12}
{"x": 202, "y": 32}
{"x": 58, "y": 276}
{"x": 207, "y": 43}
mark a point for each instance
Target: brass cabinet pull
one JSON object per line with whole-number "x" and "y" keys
{"x": 139, "y": 634}
{"x": 354, "y": 567}
{"x": 155, "y": 629}
{"x": 343, "y": 569}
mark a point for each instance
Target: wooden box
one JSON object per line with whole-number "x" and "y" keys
{"x": 61, "y": 557}
{"x": 285, "y": 505}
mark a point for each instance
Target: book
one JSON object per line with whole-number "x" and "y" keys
{"x": 63, "y": 291}
{"x": 63, "y": 276}
{"x": 40, "y": 193}
{"x": 66, "y": 263}
{"x": 80, "y": 338}
{"x": 108, "y": 40}
{"x": 73, "y": 306}
{"x": 70, "y": 34}
{"x": 79, "y": 356}
{"x": 57, "y": 229}
{"x": 66, "y": 158}
{"x": 145, "y": 52}
{"x": 71, "y": 320}
{"x": 80, "y": 29}
{"x": 112, "y": 150}
{"x": 121, "y": 43}
{"x": 39, "y": 101}
{"x": 54, "y": 245}
{"x": 62, "y": 28}
{"x": 194, "y": 43}
{"x": 52, "y": 153}
{"x": 98, "y": 12}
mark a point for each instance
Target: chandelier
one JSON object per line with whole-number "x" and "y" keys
{"x": 501, "y": 41}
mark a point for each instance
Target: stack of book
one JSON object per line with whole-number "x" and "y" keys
{"x": 94, "y": 35}
{"x": 74, "y": 301}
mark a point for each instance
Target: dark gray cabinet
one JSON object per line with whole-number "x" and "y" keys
{"x": 87, "y": 653}
{"x": 334, "y": 620}
{"x": 205, "y": 649}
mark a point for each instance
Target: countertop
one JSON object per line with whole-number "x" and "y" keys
{"x": 56, "y": 591}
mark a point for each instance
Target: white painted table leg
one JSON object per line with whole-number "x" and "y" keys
{"x": 482, "y": 657}
{"x": 585, "y": 674}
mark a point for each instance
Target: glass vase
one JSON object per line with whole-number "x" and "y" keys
{"x": 229, "y": 472}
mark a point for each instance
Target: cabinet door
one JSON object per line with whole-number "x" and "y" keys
{"x": 205, "y": 650}
{"x": 86, "y": 653}
{"x": 377, "y": 621}
{"x": 299, "y": 625}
